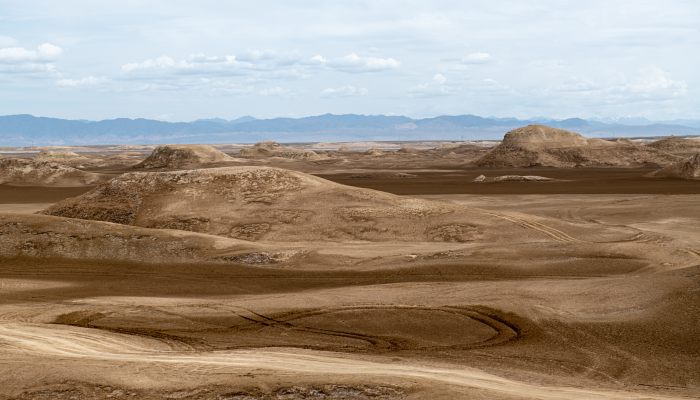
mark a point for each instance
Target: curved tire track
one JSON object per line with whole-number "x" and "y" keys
{"x": 41, "y": 341}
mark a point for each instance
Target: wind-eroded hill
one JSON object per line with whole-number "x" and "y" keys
{"x": 183, "y": 156}
{"x": 69, "y": 158}
{"x": 677, "y": 145}
{"x": 25, "y": 235}
{"x": 26, "y": 172}
{"x": 255, "y": 203}
{"x": 274, "y": 149}
{"x": 539, "y": 145}
{"x": 684, "y": 169}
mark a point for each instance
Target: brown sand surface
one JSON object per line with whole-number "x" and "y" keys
{"x": 582, "y": 288}
{"x": 567, "y": 181}
{"x": 37, "y": 194}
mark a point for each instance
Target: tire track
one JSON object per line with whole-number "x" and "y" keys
{"x": 503, "y": 330}
{"x": 384, "y": 343}
{"x": 43, "y": 341}
{"x": 553, "y": 233}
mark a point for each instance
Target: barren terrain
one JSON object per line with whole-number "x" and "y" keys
{"x": 321, "y": 272}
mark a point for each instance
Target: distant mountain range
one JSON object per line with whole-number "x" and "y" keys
{"x": 28, "y": 130}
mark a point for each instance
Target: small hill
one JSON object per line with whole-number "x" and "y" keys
{"x": 274, "y": 149}
{"x": 407, "y": 149}
{"x": 540, "y": 145}
{"x": 538, "y": 136}
{"x": 62, "y": 157}
{"x": 263, "y": 203}
{"x": 685, "y": 169}
{"x": 27, "y": 172}
{"x": 677, "y": 145}
{"x": 30, "y": 235}
{"x": 183, "y": 156}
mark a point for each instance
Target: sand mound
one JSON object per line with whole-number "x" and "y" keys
{"x": 183, "y": 156}
{"x": 25, "y": 172}
{"x": 676, "y": 145}
{"x": 685, "y": 169}
{"x": 261, "y": 203}
{"x": 539, "y": 145}
{"x": 382, "y": 175}
{"x": 28, "y": 235}
{"x": 52, "y": 155}
{"x": 68, "y": 158}
{"x": 274, "y": 149}
{"x": 407, "y": 149}
{"x": 512, "y": 178}
{"x": 374, "y": 152}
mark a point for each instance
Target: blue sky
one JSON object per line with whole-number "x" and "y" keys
{"x": 183, "y": 60}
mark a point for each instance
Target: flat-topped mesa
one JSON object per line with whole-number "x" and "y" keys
{"x": 174, "y": 156}
{"x": 28, "y": 172}
{"x": 543, "y": 136}
{"x": 539, "y": 145}
{"x": 685, "y": 169}
{"x": 263, "y": 203}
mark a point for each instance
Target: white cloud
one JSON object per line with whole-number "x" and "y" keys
{"x": 439, "y": 78}
{"x": 319, "y": 59}
{"x": 48, "y": 51}
{"x": 477, "y": 58}
{"x": 19, "y": 60}
{"x": 273, "y": 91}
{"x": 169, "y": 63}
{"x": 356, "y": 63}
{"x": 654, "y": 82}
{"x": 19, "y": 55}
{"x": 344, "y": 91}
{"x": 438, "y": 86}
{"x": 650, "y": 84}
{"x": 258, "y": 65}
{"x": 269, "y": 58}
{"x": 81, "y": 82}
{"x": 202, "y": 64}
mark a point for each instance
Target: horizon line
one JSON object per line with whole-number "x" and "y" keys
{"x": 620, "y": 120}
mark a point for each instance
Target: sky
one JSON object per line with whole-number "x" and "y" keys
{"x": 184, "y": 60}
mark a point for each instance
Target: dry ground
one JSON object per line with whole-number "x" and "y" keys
{"x": 588, "y": 293}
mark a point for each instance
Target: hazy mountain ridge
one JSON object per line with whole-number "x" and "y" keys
{"x": 24, "y": 130}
